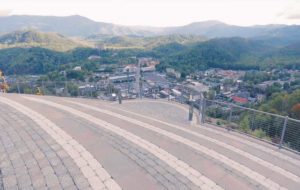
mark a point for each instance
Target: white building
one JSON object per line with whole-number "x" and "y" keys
{"x": 77, "y": 68}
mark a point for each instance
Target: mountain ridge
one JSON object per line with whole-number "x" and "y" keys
{"x": 33, "y": 38}
{"x": 77, "y": 25}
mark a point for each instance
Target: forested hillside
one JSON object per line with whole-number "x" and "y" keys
{"x": 117, "y": 42}
{"x": 226, "y": 53}
{"x": 41, "y": 61}
{"x": 284, "y": 104}
{"x": 33, "y": 38}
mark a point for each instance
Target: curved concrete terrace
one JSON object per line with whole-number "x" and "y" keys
{"x": 68, "y": 143}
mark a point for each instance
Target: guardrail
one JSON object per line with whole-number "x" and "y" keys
{"x": 60, "y": 88}
{"x": 277, "y": 129}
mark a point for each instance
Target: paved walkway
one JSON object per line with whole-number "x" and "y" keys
{"x": 66, "y": 143}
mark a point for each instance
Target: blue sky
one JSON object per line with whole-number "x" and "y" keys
{"x": 162, "y": 12}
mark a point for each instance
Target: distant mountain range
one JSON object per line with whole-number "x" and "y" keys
{"x": 39, "y": 44}
{"x": 58, "y": 42}
{"x": 68, "y": 26}
{"x": 83, "y": 27}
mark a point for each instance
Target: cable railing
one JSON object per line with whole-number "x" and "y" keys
{"x": 61, "y": 88}
{"x": 276, "y": 129}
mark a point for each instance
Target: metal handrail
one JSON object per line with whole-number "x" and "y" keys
{"x": 251, "y": 109}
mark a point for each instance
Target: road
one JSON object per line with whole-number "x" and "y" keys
{"x": 72, "y": 143}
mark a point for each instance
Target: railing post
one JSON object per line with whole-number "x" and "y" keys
{"x": 43, "y": 88}
{"x": 31, "y": 86}
{"x": 66, "y": 88}
{"x": 283, "y": 131}
{"x": 18, "y": 86}
{"x": 203, "y": 111}
{"x": 181, "y": 98}
{"x": 120, "y": 97}
{"x": 252, "y": 121}
{"x": 91, "y": 90}
{"x": 230, "y": 114}
{"x": 200, "y": 108}
{"x": 191, "y": 110}
{"x": 55, "y": 92}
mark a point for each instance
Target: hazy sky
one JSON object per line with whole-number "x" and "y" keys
{"x": 162, "y": 12}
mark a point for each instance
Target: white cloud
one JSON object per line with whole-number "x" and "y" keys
{"x": 294, "y": 16}
{"x": 290, "y": 14}
{"x": 161, "y": 12}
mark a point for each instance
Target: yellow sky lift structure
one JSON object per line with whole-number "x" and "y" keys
{"x": 4, "y": 87}
{"x": 39, "y": 91}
